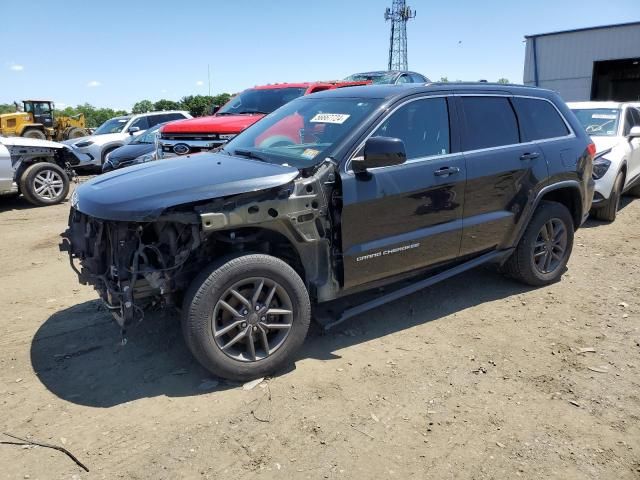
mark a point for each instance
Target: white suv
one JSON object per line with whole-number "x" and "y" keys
{"x": 615, "y": 129}
{"x": 116, "y": 132}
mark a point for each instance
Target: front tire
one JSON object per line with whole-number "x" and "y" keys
{"x": 246, "y": 317}
{"x": 34, "y": 133}
{"x": 609, "y": 212}
{"x": 544, "y": 250}
{"x": 44, "y": 184}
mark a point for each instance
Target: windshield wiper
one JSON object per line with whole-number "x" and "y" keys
{"x": 248, "y": 154}
{"x": 258, "y": 112}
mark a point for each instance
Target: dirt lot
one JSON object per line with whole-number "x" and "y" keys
{"x": 478, "y": 377}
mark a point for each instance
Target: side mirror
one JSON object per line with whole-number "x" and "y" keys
{"x": 214, "y": 109}
{"x": 133, "y": 130}
{"x": 380, "y": 152}
{"x": 634, "y": 133}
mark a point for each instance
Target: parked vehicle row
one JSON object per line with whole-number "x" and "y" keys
{"x": 344, "y": 191}
{"x": 114, "y": 133}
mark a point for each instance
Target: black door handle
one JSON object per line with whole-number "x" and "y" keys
{"x": 445, "y": 171}
{"x": 529, "y": 156}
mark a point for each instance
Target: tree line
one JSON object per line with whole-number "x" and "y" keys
{"x": 196, "y": 105}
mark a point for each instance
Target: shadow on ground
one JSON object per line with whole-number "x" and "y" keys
{"x": 78, "y": 356}
{"x": 16, "y": 202}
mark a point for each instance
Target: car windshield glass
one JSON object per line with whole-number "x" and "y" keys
{"x": 601, "y": 122}
{"x": 147, "y": 137}
{"x": 376, "y": 78}
{"x": 303, "y": 132}
{"x": 115, "y": 125}
{"x": 260, "y": 100}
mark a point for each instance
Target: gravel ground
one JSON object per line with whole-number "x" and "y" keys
{"x": 477, "y": 377}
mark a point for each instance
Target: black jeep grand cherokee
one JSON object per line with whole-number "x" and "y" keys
{"x": 335, "y": 193}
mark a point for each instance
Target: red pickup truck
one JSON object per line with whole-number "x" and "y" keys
{"x": 243, "y": 110}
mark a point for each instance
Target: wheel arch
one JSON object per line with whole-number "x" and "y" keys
{"x": 569, "y": 196}
{"x": 566, "y": 193}
{"x": 32, "y": 126}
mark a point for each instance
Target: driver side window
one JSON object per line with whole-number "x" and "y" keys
{"x": 423, "y": 126}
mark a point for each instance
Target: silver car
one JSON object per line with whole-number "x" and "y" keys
{"x": 116, "y": 132}
{"x": 40, "y": 170}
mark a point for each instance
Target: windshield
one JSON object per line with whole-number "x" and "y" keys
{"x": 376, "y": 78}
{"x": 600, "y": 122}
{"x": 115, "y": 125}
{"x": 303, "y": 132}
{"x": 147, "y": 137}
{"x": 260, "y": 100}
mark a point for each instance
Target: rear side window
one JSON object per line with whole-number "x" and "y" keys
{"x": 539, "y": 119}
{"x": 490, "y": 122}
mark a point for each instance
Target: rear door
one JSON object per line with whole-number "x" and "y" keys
{"x": 501, "y": 172}
{"x": 406, "y": 217}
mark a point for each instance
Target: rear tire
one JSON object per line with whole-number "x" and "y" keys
{"x": 246, "y": 317}
{"x": 610, "y": 210}
{"x": 544, "y": 250}
{"x": 74, "y": 132}
{"x": 44, "y": 184}
{"x": 34, "y": 133}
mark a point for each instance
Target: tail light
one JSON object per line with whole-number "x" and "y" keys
{"x": 591, "y": 149}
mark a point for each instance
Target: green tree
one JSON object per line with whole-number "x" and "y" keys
{"x": 444, "y": 79}
{"x": 199, "y": 105}
{"x": 503, "y": 80}
{"x": 143, "y": 106}
{"x": 7, "y": 108}
{"x": 165, "y": 104}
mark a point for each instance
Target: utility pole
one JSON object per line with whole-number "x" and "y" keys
{"x": 399, "y": 14}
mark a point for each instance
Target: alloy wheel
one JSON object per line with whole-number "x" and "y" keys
{"x": 252, "y": 319}
{"x": 550, "y": 247}
{"x": 48, "y": 184}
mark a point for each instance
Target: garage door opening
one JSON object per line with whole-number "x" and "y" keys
{"x": 616, "y": 80}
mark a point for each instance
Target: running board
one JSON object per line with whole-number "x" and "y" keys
{"x": 415, "y": 287}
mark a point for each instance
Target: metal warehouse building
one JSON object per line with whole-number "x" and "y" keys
{"x": 599, "y": 63}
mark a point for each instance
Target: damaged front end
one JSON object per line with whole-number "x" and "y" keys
{"x": 135, "y": 265}
{"x": 131, "y": 265}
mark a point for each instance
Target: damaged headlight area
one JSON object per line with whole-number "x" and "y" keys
{"x": 601, "y": 164}
{"x": 131, "y": 265}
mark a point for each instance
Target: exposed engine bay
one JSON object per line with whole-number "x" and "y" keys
{"x": 139, "y": 265}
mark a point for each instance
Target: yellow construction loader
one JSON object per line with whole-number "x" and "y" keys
{"x": 36, "y": 120}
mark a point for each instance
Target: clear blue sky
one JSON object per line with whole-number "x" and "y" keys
{"x": 114, "y": 53}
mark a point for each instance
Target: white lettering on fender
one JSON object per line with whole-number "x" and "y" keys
{"x": 390, "y": 251}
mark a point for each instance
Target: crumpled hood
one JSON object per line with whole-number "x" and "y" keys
{"x": 225, "y": 124}
{"x": 29, "y": 142}
{"x": 142, "y": 192}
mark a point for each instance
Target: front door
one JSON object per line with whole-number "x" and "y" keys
{"x": 405, "y": 217}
